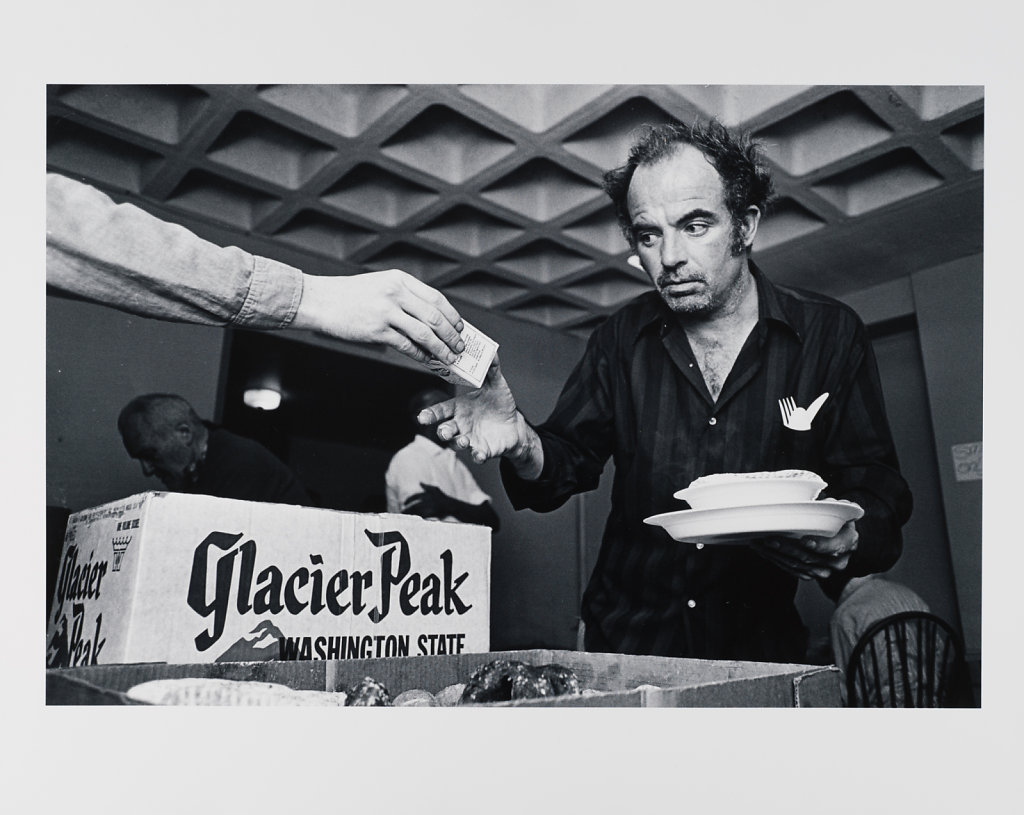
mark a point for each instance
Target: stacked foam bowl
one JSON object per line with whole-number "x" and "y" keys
{"x": 751, "y": 489}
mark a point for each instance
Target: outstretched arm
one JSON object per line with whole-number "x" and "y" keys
{"x": 488, "y": 423}
{"x": 390, "y": 307}
{"x": 121, "y": 256}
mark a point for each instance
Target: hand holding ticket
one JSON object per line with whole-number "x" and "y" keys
{"x": 487, "y": 422}
{"x": 470, "y": 368}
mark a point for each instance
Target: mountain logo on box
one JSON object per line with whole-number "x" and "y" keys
{"x": 58, "y": 654}
{"x": 258, "y": 645}
{"x": 67, "y": 649}
{"x": 345, "y": 591}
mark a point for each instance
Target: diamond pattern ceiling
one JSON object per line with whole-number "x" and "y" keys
{"x": 492, "y": 194}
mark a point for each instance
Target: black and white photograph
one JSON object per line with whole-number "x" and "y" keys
{"x": 631, "y": 415}
{"x": 819, "y": 414}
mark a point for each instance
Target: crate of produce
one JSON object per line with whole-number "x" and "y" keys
{"x": 592, "y": 680}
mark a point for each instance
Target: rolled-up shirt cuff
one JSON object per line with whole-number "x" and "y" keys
{"x": 272, "y": 300}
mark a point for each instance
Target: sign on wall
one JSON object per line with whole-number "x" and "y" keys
{"x": 967, "y": 461}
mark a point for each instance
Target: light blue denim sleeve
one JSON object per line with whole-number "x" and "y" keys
{"x": 121, "y": 256}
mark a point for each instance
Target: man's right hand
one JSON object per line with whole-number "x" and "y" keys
{"x": 487, "y": 421}
{"x": 390, "y": 307}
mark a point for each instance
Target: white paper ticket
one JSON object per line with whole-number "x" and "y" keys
{"x": 470, "y": 368}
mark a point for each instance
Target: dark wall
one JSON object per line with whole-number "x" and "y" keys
{"x": 950, "y": 315}
{"x": 925, "y": 565}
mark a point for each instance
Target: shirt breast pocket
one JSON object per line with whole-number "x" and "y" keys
{"x": 798, "y": 433}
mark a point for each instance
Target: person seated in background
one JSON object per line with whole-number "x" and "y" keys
{"x": 427, "y": 479}
{"x": 861, "y": 602}
{"x": 187, "y": 454}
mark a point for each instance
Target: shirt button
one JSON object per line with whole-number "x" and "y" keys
{"x": 700, "y": 545}
{"x": 712, "y": 421}
{"x": 691, "y": 603}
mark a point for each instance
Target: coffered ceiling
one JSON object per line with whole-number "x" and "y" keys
{"x": 491, "y": 193}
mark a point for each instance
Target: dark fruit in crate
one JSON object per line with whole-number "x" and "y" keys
{"x": 492, "y": 682}
{"x": 531, "y": 684}
{"x": 368, "y": 692}
{"x": 563, "y": 680}
{"x": 502, "y": 680}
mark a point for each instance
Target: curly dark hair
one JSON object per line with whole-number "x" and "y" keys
{"x": 737, "y": 157}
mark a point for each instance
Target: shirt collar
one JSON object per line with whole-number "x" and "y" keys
{"x": 770, "y": 305}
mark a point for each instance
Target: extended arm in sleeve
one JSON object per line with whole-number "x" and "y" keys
{"x": 118, "y": 255}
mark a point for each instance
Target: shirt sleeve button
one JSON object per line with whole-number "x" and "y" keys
{"x": 712, "y": 421}
{"x": 691, "y": 603}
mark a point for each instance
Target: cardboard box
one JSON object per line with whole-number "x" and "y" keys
{"x": 620, "y": 680}
{"x": 168, "y": 577}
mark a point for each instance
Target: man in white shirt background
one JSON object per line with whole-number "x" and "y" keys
{"x": 429, "y": 480}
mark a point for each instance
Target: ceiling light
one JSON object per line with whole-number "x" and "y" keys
{"x": 262, "y": 398}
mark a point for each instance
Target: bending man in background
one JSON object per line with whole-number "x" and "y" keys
{"x": 164, "y": 433}
{"x": 120, "y": 256}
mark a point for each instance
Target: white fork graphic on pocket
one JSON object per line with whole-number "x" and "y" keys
{"x": 798, "y": 418}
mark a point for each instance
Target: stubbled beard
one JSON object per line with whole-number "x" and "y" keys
{"x": 701, "y": 302}
{"x": 691, "y": 305}
{"x": 704, "y": 302}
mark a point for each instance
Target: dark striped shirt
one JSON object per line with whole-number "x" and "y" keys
{"x": 638, "y": 396}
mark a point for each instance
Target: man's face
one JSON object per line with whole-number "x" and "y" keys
{"x": 164, "y": 452}
{"x": 684, "y": 233}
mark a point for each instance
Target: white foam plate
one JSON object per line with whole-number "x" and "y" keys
{"x": 740, "y": 524}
